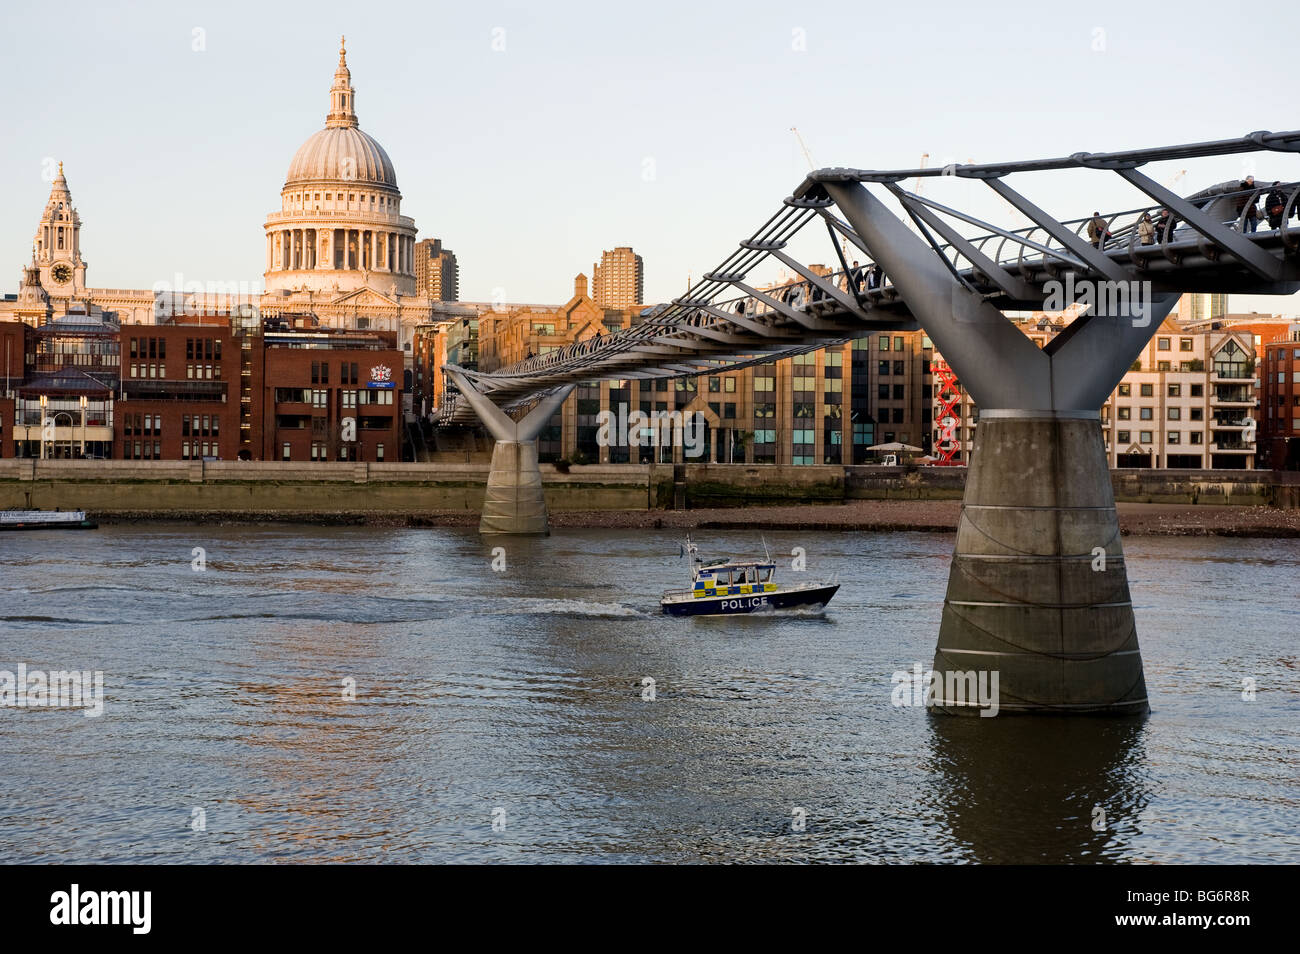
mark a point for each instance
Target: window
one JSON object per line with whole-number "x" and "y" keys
{"x": 1122, "y": 437}
{"x": 898, "y": 392}
{"x": 1174, "y": 437}
{"x": 1148, "y": 390}
{"x": 882, "y": 368}
{"x": 1144, "y": 413}
{"x": 1162, "y": 344}
{"x": 1195, "y": 437}
{"x": 1198, "y": 390}
{"x": 1163, "y": 366}
{"x": 882, "y": 392}
{"x": 715, "y": 385}
{"x": 1144, "y": 437}
{"x": 729, "y": 386}
{"x": 899, "y": 367}
{"x": 898, "y": 343}
{"x": 1125, "y": 390}
{"x": 1123, "y": 413}
{"x": 884, "y": 343}
{"x": 1197, "y": 414}
{"x": 1175, "y": 414}
{"x": 1184, "y": 344}
{"x": 286, "y": 452}
{"x": 1175, "y": 390}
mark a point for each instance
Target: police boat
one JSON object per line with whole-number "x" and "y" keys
{"x": 725, "y": 587}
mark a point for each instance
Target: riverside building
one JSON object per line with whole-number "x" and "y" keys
{"x": 201, "y": 387}
{"x": 1190, "y": 400}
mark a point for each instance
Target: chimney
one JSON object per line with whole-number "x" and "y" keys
{"x": 580, "y": 286}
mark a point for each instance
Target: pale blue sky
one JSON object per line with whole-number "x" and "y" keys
{"x": 528, "y": 161}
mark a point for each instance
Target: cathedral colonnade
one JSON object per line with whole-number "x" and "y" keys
{"x": 339, "y": 248}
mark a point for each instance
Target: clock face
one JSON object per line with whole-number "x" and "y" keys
{"x": 61, "y": 273}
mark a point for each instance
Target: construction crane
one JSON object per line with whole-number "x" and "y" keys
{"x": 806, "y": 154}
{"x": 924, "y": 158}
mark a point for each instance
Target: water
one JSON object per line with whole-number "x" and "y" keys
{"x": 479, "y": 691}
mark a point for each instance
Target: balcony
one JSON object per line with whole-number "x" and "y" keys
{"x": 341, "y": 219}
{"x": 1233, "y": 397}
{"x": 174, "y": 390}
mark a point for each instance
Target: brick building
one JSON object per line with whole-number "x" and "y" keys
{"x": 1280, "y": 401}
{"x": 195, "y": 387}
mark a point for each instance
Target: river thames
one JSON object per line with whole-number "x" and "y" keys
{"x": 505, "y": 715}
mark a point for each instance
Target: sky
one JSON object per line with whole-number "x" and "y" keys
{"x": 529, "y": 137}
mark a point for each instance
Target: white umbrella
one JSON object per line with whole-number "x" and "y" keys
{"x": 893, "y": 446}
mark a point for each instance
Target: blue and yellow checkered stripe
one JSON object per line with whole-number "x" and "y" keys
{"x": 746, "y": 589}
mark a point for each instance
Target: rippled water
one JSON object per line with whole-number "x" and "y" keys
{"x": 522, "y": 691}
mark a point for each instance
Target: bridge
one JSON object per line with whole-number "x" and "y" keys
{"x": 1038, "y": 588}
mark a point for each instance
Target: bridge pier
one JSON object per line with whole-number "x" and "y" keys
{"x": 1038, "y": 590}
{"x": 515, "y": 500}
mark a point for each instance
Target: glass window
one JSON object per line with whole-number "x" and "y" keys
{"x": 1162, "y": 344}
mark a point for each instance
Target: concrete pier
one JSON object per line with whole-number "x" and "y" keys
{"x": 514, "y": 502}
{"x": 1038, "y": 589}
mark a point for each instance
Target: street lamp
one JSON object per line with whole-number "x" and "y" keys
{"x": 84, "y": 403}
{"x": 45, "y": 400}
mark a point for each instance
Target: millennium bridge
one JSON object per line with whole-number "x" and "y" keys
{"x": 1038, "y": 587}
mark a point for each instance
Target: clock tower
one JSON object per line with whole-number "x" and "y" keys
{"x": 58, "y": 244}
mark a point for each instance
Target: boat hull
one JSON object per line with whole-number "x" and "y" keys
{"x": 740, "y": 604}
{"x": 52, "y": 525}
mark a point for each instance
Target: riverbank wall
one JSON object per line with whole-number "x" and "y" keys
{"x": 172, "y": 488}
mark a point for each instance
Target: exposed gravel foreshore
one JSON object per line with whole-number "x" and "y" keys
{"x": 917, "y": 515}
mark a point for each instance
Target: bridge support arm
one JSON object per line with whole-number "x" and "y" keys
{"x": 973, "y": 336}
{"x": 514, "y": 501}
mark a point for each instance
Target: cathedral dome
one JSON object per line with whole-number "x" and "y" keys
{"x": 342, "y": 154}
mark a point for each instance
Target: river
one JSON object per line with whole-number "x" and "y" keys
{"x": 504, "y": 714}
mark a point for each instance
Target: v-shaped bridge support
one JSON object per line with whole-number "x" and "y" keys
{"x": 1038, "y": 591}
{"x": 515, "y": 501}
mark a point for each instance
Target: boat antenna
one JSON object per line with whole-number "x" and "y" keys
{"x": 766, "y": 554}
